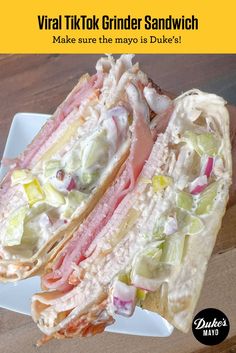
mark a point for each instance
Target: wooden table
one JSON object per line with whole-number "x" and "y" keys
{"x": 38, "y": 83}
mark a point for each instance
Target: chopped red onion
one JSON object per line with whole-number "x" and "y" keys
{"x": 198, "y": 189}
{"x": 72, "y": 185}
{"x": 124, "y": 296}
{"x": 198, "y": 185}
{"x": 209, "y": 166}
{"x": 123, "y": 307}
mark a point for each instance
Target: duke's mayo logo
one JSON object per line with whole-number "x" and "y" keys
{"x": 210, "y": 326}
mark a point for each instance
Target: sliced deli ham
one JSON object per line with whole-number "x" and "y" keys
{"x": 141, "y": 146}
{"x": 149, "y": 244}
{"x": 80, "y": 93}
{"x": 78, "y": 154}
{"x": 74, "y": 100}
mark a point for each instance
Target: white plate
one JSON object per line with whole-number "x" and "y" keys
{"x": 17, "y": 296}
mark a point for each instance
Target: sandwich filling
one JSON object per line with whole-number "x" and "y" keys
{"x": 117, "y": 258}
{"x": 51, "y": 183}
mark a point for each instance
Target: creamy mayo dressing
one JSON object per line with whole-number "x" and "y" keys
{"x": 16, "y": 193}
{"x": 84, "y": 118}
{"x": 80, "y": 145}
{"x": 107, "y": 261}
{"x": 45, "y": 232}
{"x": 94, "y": 114}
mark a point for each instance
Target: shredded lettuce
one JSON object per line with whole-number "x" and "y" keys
{"x": 208, "y": 144}
{"x": 158, "y": 232}
{"x": 173, "y": 249}
{"x": 146, "y": 263}
{"x": 73, "y": 199}
{"x": 205, "y": 143}
{"x": 189, "y": 223}
{"x": 53, "y": 197}
{"x": 149, "y": 274}
{"x": 72, "y": 162}
{"x": 95, "y": 151}
{"x": 15, "y": 227}
{"x": 34, "y": 228}
{"x": 184, "y": 200}
{"x": 195, "y": 225}
{"x": 191, "y": 139}
{"x": 87, "y": 178}
{"x": 51, "y": 167}
{"x": 206, "y": 199}
{"x": 21, "y": 176}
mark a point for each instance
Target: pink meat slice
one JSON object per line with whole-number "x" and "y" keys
{"x": 81, "y": 93}
{"x": 141, "y": 146}
{"x": 73, "y": 101}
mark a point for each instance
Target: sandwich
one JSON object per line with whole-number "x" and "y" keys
{"x": 147, "y": 244}
{"x": 54, "y": 185}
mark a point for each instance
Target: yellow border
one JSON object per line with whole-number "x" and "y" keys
{"x": 20, "y": 31}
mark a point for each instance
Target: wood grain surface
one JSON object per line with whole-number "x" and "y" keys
{"x": 38, "y": 83}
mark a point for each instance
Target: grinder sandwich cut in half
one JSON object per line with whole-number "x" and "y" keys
{"x": 149, "y": 238}
{"x": 105, "y": 128}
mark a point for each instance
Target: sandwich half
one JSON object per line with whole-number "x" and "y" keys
{"x": 57, "y": 181}
{"x": 150, "y": 245}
